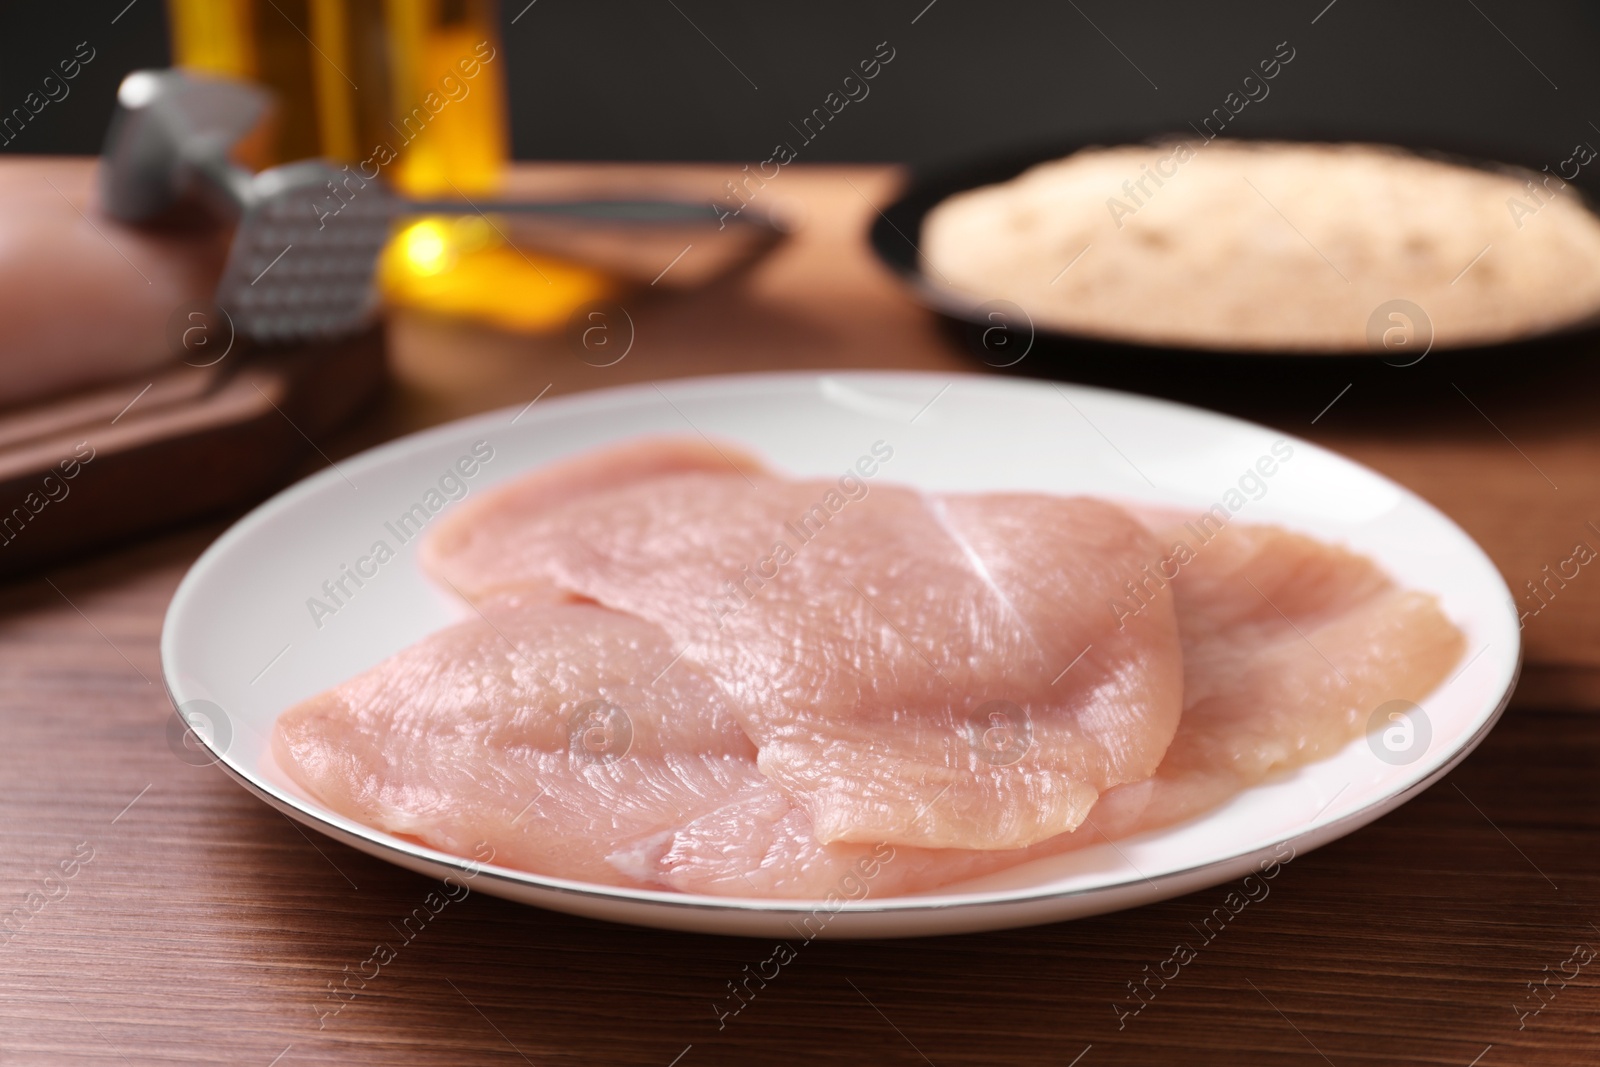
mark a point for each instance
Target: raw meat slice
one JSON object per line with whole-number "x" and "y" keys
{"x": 474, "y": 735}
{"x": 487, "y": 733}
{"x": 1289, "y": 645}
{"x": 87, "y": 299}
{"x": 501, "y": 730}
{"x": 477, "y": 547}
{"x": 876, "y": 642}
{"x": 819, "y": 720}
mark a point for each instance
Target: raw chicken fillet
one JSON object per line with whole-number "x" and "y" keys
{"x": 690, "y": 673}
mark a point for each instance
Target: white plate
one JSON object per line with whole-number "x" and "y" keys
{"x": 240, "y": 634}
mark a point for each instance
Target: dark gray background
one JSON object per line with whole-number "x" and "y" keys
{"x": 717, "y": 79}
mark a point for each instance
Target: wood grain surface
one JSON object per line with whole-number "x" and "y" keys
{"x": 199, "y": 926}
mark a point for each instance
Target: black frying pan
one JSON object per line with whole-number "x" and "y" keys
{"x": 1238, "y": 380}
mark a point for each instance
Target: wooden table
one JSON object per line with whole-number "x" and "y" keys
{"x": 205, "y": 928}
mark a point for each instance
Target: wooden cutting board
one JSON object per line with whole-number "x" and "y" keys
{"x": 103, "y": 466}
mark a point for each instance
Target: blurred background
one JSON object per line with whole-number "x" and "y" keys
{"x": 486, "y": 306}
{"x": 720, "y": 80}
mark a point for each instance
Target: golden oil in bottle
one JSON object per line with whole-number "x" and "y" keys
{"x": 259, "y": 42}
{"x": 411, "y": 89}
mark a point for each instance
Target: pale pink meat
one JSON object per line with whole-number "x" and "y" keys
{"x": 489, "y": 731}
{"x": 1288, "y": 645}
{"x": 866, "y": 635}
{"x": 809, "y": 739}
{"x": 86, "y": 298}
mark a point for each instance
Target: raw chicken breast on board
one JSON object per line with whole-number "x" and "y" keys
{"x": 832, "y": 715}
{"x": 88, "y": 299}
